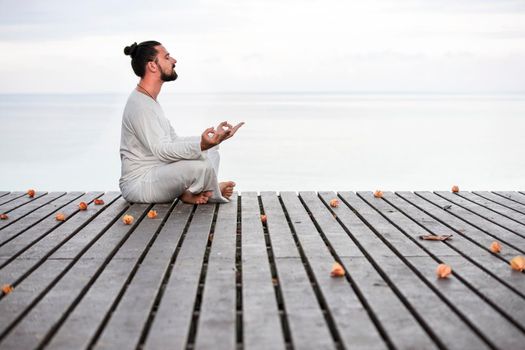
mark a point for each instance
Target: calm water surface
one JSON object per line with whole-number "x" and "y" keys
{"x": 290, "y": 141}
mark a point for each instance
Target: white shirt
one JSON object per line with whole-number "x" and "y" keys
{"x": 148, "y": 139}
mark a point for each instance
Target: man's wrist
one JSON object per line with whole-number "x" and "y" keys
{"x": 206, "y": 145}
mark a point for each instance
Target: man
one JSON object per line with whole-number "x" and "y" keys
{"x": 157, "y": 164}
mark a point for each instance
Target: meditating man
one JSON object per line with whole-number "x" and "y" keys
{"x": 159, "y": 166}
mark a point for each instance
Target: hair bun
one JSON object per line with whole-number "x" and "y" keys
{"x": 130, "y": 50}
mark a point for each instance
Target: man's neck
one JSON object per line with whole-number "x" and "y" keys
{"x": 151, "y": 86}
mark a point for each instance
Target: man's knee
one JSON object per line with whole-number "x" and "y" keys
{"x": 202, "y": 167}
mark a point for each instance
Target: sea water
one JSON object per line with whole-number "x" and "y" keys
{"x": 290, "y": 142}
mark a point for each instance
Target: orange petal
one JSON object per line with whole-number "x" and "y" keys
{"x": 60, "y": 217}
{"x": 127, "y": 219}
{"x": 443, "y": 270}
{"x": 334, "y": 203}
{"x": 455, "y": 189}
{"x": 82, "y": 205}
{"x": 495, "y": 247}
{"x": 7, "y": 288}
{"x": 31, "y": 193}
{"x": 263, "y": 219}
{"x": 4, "y": 217}
{"x": 98, "y": 201}
{"x": 378, "y": 194}
{"x": 152, "y": 214}
{"x": 518, "y": 263}
{"x": 337, "y": 270}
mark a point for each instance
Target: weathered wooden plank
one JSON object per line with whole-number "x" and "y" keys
{"x": 84, "y": 237}
{"x": 84, "y": 226}
{"x": 14, "y": 305}
{"x": 308, "y": 326}
{"x": 499, "y": 330}
{"x": 3, "y": 193}
{"x": 28, "y": 217}
{"x": 489, "y": 262}
{"x": 20, "y": 235}
{"x": 489, "y": 287}
{"x": 18, "y": 201}
{"x": 470, "y": 305}
{"x": 520, "y": 208}
{"x": 466, "y": 238}
{"x": 72, "y": 291}
{"x": 125, "y": 325}
{"x": 81, "y": 325}
{"x": 61, "y": 297}
{"x": 21, "y": 212}
{"x": 217, "y": 320}
{"x": 15, "y": 271}
{"x": 21, "y": 219}
{"x": 513, "y": 196}
{"x": 494, "y": 207}
{"x": 353, "y": 320}
{"x": 9, "y": 197}
{"x": 171, "y": 325}
{"x": 261, "y": 322}
{"x": 477, "y": 205}
{"x": 490, "y": 229}
{"x": 442, "y": 324}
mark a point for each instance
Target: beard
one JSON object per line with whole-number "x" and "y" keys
{"x": 168, "y": 77}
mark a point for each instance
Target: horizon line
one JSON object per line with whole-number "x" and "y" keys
{"x": 289, "y": 92}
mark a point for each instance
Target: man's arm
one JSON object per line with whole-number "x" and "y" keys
{"x": 149, "y": 131}
{"x": 178, "y": 138}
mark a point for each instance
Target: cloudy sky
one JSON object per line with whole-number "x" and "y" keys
{"x": 473, "y": 46}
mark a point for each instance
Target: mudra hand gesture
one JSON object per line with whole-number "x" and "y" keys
{"x": 212, "y": 137}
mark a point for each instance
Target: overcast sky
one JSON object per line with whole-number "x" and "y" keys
{"x": 473, "y": 46}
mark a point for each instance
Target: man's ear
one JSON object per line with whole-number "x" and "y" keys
{"x": 152, "y": 66}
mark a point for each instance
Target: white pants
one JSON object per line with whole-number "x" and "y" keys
{"x": 165, "y": 183}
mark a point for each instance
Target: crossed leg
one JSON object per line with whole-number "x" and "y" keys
{"x": 193, "y": 181}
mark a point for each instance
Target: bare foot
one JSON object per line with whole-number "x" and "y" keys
{"x": 190, "y": 198}
{"x": 227, "y": 188}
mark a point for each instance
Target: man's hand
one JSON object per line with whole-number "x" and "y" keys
{"x": 212, "y": 137}
{"x": 233, "y": 129}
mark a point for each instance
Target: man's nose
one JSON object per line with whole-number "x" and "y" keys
{"x": 174, "y": 60}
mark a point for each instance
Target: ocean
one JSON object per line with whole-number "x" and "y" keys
{"x": 290, "y": 142}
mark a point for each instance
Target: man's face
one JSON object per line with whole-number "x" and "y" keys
{"x": 166, "y": 64}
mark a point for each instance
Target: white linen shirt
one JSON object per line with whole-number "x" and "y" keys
{"x": 148, "y": 139}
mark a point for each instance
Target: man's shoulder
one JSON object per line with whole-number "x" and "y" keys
{"x": 137, "y": 106}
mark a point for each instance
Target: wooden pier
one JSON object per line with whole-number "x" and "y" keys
{"x": 219, "y": 277}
